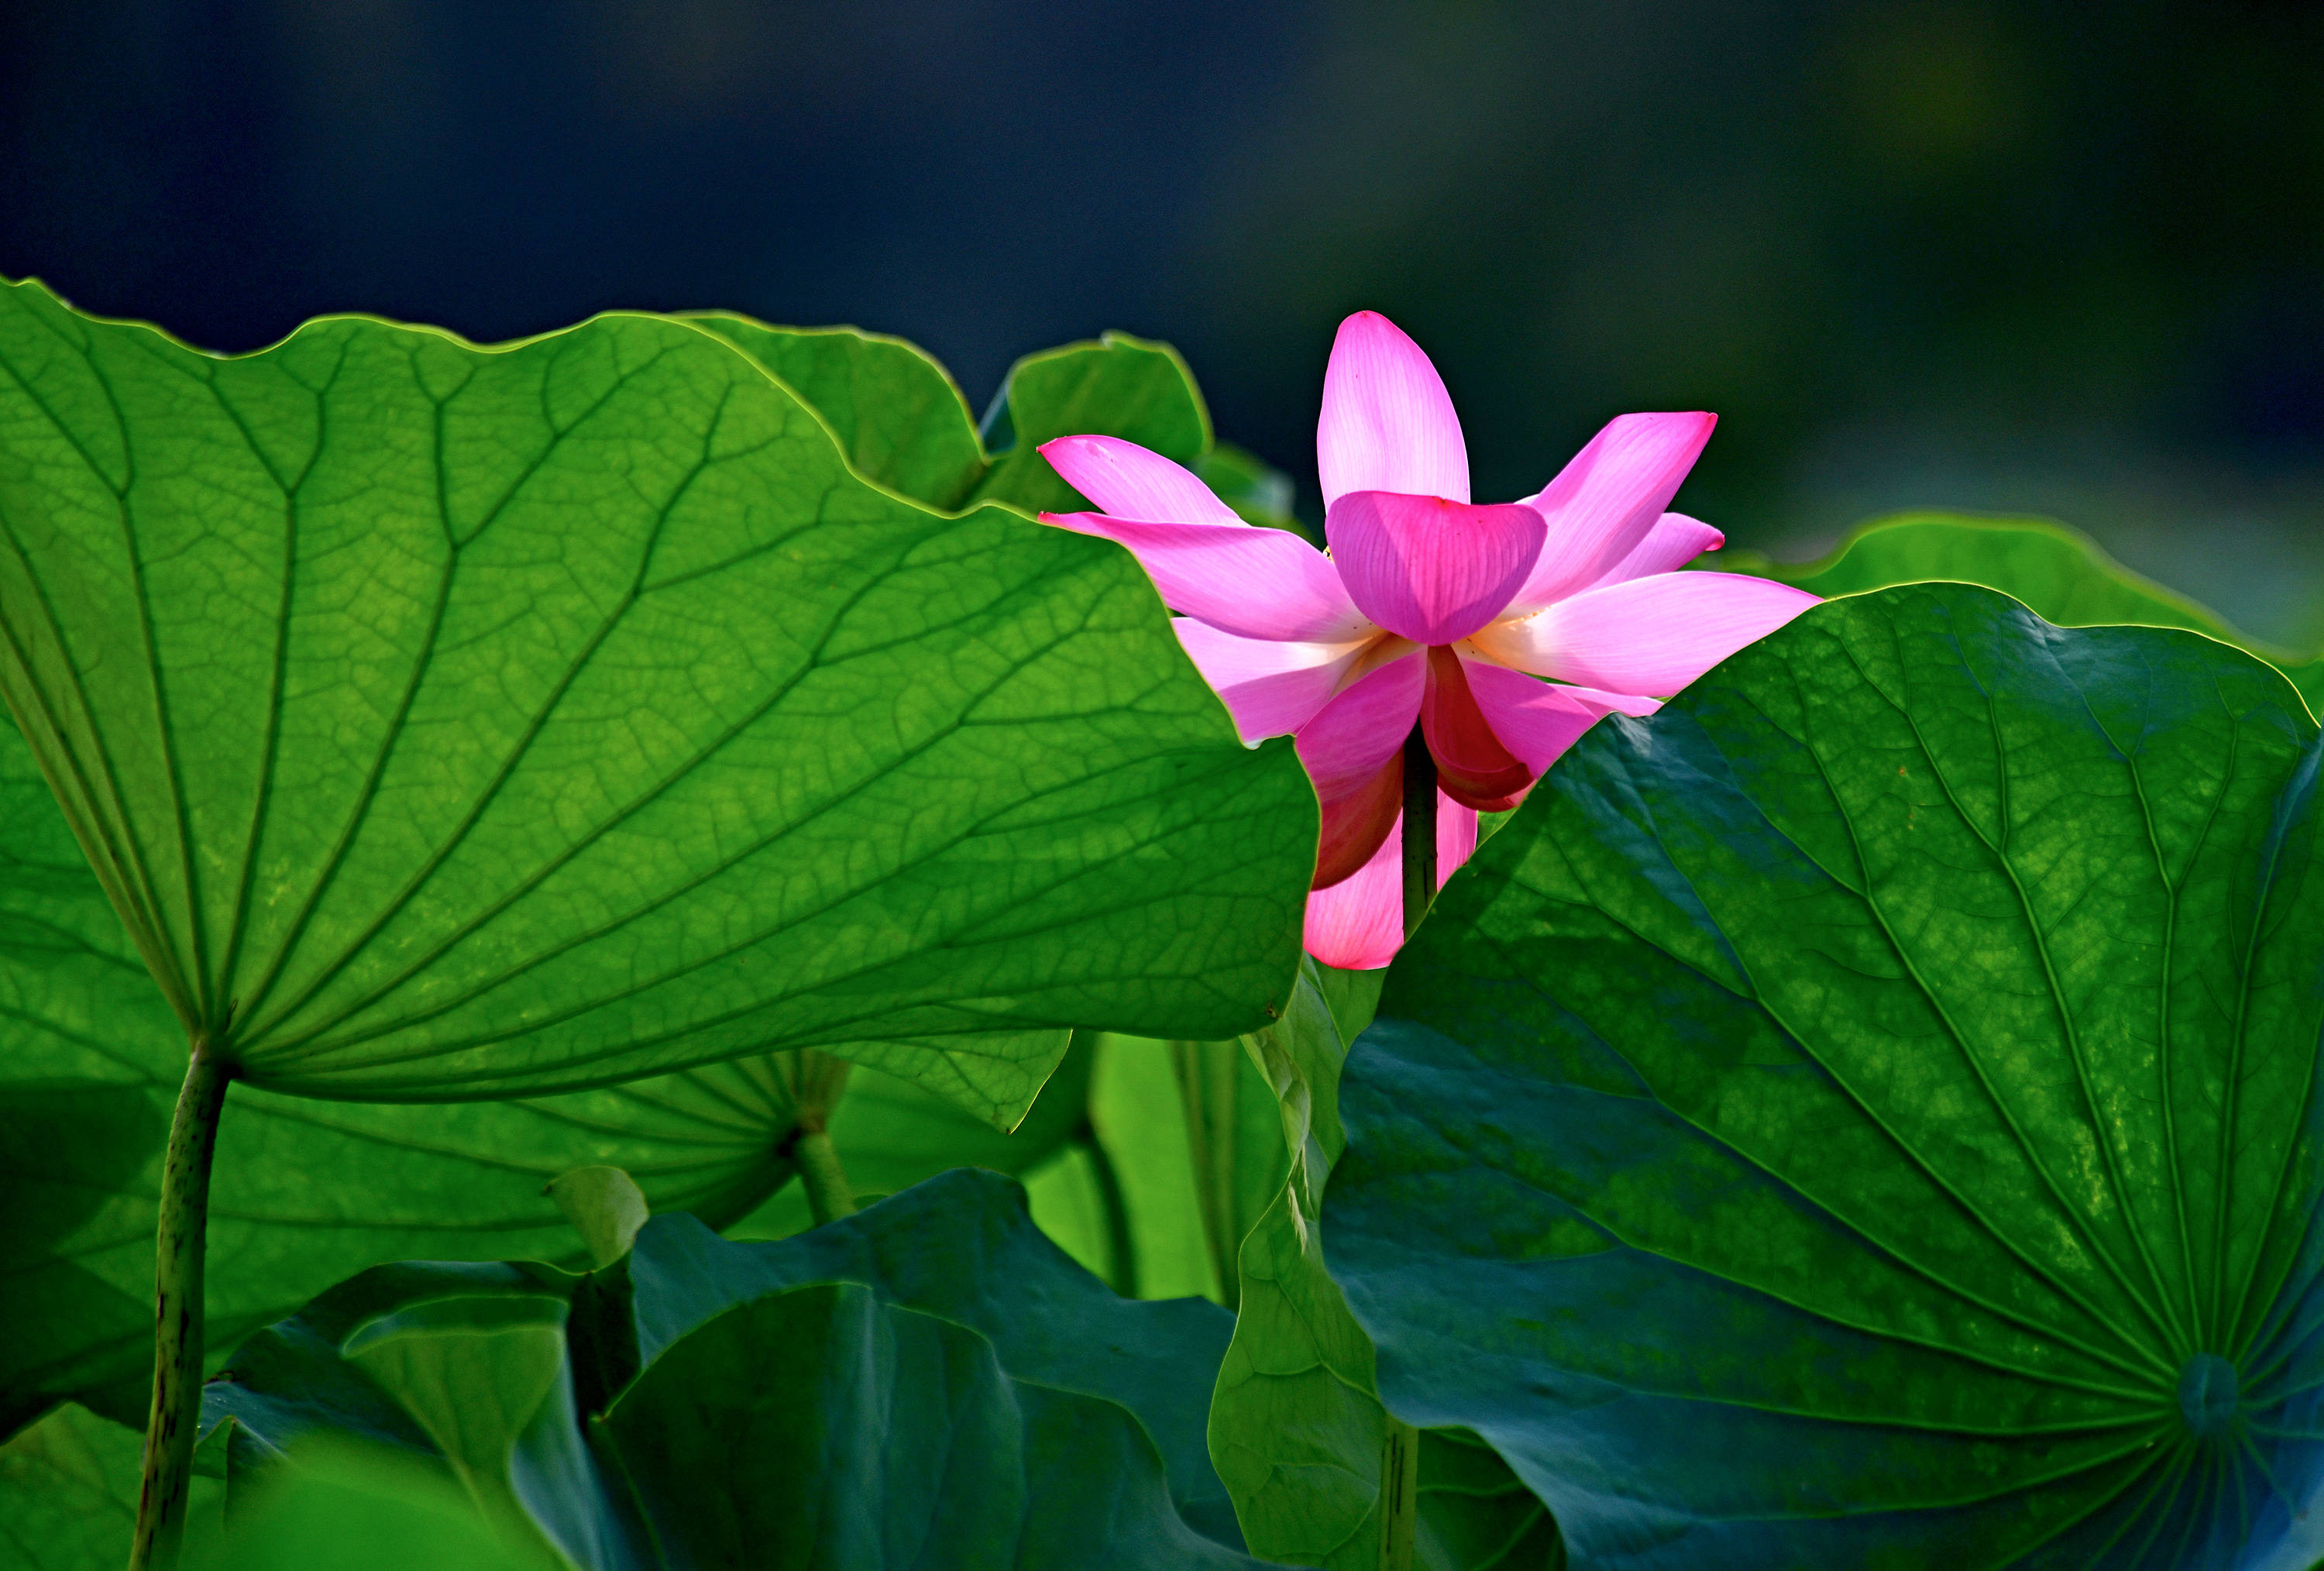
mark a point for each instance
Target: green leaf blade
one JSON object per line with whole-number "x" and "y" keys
{"x": 1819, "y": 1100}
{"x": 1116, "y": 386}
{"x": 307, "y": 1194}
{"x": 1296, "y": 1424}
{"x": 897, "y": 414}
{"x": 2060, "y": 574}
{"x": 452, "y": 722}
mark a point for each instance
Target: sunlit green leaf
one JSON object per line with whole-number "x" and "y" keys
{"x": 606, "y": 1207}
{"x": 2060, "y": 573}
{"x": 1872, "y": 1105}
{"x": 352, "y": 1508}
{"x": 306, "y": 1194}
{"x": 455, "y": 723}
{"x": 1118, "y": 386}
{"x": 900, "y": 417}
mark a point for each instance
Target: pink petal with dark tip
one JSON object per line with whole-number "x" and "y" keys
{"x": 1674, "y": 540}
{"x": 1604, "y": 502}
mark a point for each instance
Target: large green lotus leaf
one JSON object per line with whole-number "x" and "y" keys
{"x": 2060, "y": 573}
{"x": 1296, "y": 1425}
{"x": 306, "y": 1194}
{"x": 1868, "y": 1111}
{"x": 942, "y": 1247}
{"x": 902, "y": 421}
{"x": 822, "y": 1427}
{"x": 452, "y": 723}
{"x": 1116, "y": 386}
{"x": 899, "y": 414}
{"x": 722, "y": 1378}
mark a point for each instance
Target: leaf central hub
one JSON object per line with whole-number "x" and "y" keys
{"x": 2207, "y": 1393}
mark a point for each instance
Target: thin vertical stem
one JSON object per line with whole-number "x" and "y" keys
{"x": 1419, "y": 830}
{"x": 1206, "y": 1094}
{"x": 1399, "y": 1494}
{"x": 1122, "y": 1243}
{"x": 1399, "y": 1441}
{"x": 178, "y": 1315}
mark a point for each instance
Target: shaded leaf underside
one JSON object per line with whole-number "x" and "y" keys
{"x": 1832, "y": 1117}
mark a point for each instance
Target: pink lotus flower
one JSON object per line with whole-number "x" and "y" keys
{"x": 1429, "y": 607}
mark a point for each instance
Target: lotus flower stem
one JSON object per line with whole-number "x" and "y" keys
{"x": 1122, "y": 1244}
{"x": 1419, "y": 830}
{"x": 178, "y": 1315}
{"x": 1400, "y": 1442}
{"x": 816, "y": 1081}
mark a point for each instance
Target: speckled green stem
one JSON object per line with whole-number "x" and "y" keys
{"x": 178, "y": 1306}
{"x": 1399, "y": 1494}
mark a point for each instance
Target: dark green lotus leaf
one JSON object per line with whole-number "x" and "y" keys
{"x": 2060, "y": 573}
{"x": 1869, "y": 1110}
{"x": 1296, "y": 1425}
{"x": 736, "y": 1373}
{"x": 1118, "y": 386}
{"x": 898, "y": 415}
{"x": 941, "y": 1247}
{"x": 827, "y": 1426}
{"x": 449, "y": 723}
{"x": 305, "y": 1193}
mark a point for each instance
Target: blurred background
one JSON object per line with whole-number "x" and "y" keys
{"x": 2061, "y": 259}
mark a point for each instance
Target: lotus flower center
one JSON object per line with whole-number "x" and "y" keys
{"x": 2207, "y": 1395}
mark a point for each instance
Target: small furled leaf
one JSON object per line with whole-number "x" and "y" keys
{"x": 1118, "y": 386}
{"x": 931, "y": 1359}
{"x": 1297, "y": 1425}
{"x": 606, "y": 1207}
{"x": 1871, "y": 1106}
{"x": 2060, "y": 574}
{"x": 449, "y": 723}
{"x": 898, "y": 415}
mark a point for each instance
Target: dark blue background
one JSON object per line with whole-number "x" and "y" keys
{"x": 2066, "y": 258}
